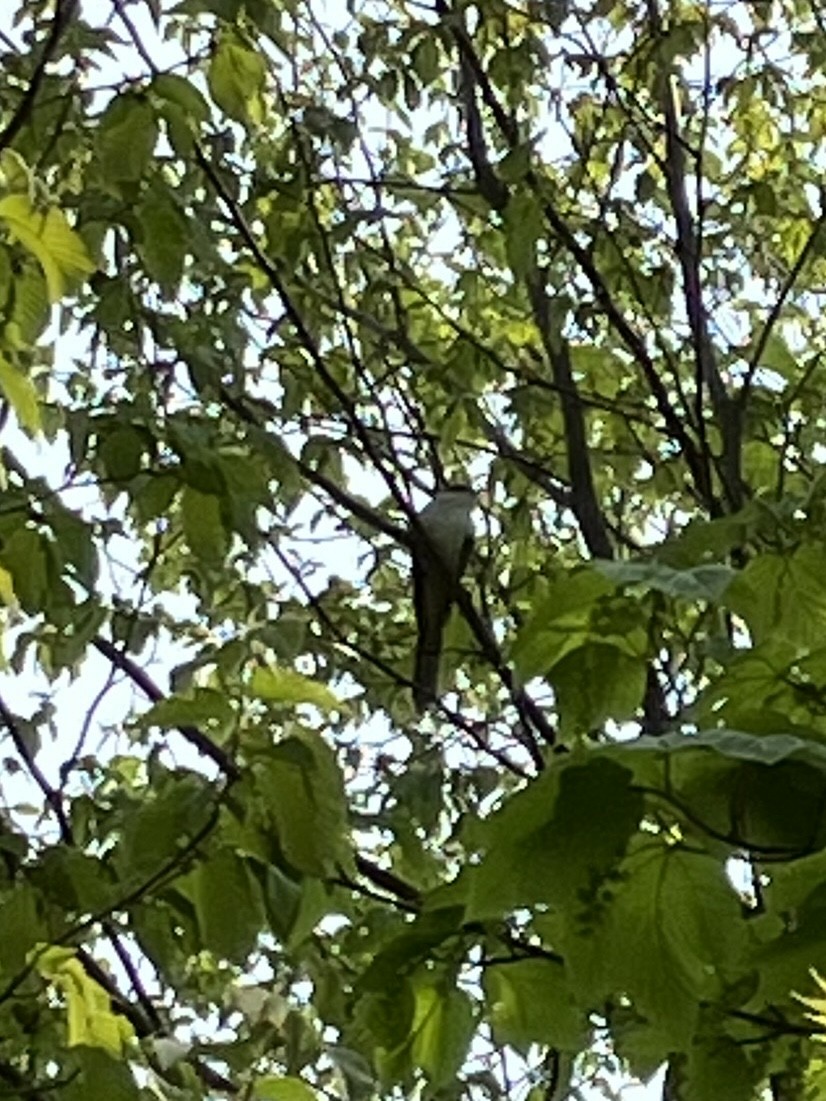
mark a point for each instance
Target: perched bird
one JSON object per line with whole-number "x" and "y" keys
{"x": 442, "y": 542}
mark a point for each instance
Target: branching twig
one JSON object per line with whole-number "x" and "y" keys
{"x": 64, "y": 10}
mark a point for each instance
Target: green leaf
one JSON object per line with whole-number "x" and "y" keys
{"x": 90, "y": 1020}
{"x": 697, "y": 583}
{"x": 424, "y": 58}
{"x": 531, "y": 1002}
{"x": 60, "y": 252}
{"x": 718, "y": 1067}
{"x": 126, "y": 139}
{"x": 100, "y": 1078}
{"x": 559, "y": 621}
{"x": 205, "y": 708}
{"x": 19, "y": 392}
{"x": 777, "y": 356}
{"x": 780, "y": 595}
{"x": 443, "y": 1024}
{"x": 276, "y": 1087}
{"x": 121, "y": 453}
{"x": 388, "y": 1018}
{"x": 177, "y": 89}
{"x": 301, "y": 786}
{"x": 21, "y": 926}
{"x": 557, "y": 840}
{"x": 165, "y": 240}
{"x": 229, "y": 931}
{"x": 24, "y": 556}
{"x": 287, "y": 686}
{"x": 155, "y": 828}
{"x": 236, "y": 80}
{"x": 595, "y": 683}
{"x": 666, "y": 938}
{"x": 203, "y": 525}
{"x": 524, "y": 228}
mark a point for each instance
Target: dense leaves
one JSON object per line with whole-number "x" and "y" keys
{"x": 270, "y": 272}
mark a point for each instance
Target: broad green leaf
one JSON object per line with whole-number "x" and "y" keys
{"x": 121, "y": 453}
{"x": 777, "y": 356}
{"x": 21, "y": 926}
{"x": 697, "y": 583}
{"x": 783, "y": 595}
{"x": 203, "y": 524}
{"x": 412, "y": 948}
{"x": 598, "y": 682}
{"x": 443, "y": 1024}
{"x": 156, "y": 827}
{"x": 229, "y": 931}
{"x": 165, "y": 241}
{"x": 530, "y": 1002}
{"x": 31, "y": 308}
{"x": 668, "y": 934}
{"x": 301, "y": 787}
{"x": 206, "y": 708}
{"x": 24, "y": 556}
{"x": 101, "y": 1078}
{"x": 717, "y": 1066}
{"x": 388, "y": 1020}
{"x": 19, "y": 392}
{"x": 279, "y": 684}
{"x": 126, "y": 139}
{"x": 560, "y": 621}
{"x": 46, "y": 234}
{"x": 236, "y": 80}
{"x": 566, "y": 854}
{"x": 179, "y": 90}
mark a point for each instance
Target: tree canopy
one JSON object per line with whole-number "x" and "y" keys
{"x": 271, "y": 271}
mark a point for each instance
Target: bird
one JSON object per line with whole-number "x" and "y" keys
{"x": 441, "y": 542}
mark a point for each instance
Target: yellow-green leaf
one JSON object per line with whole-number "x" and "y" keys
{"x": 282, "y": 1088}
{"x": 236, "y": 80}
{"x": 90, "y": 1020}
{"x": 282, "y": 685}
{"x": 49, "y": 237}
{"x": 19, "y": 392}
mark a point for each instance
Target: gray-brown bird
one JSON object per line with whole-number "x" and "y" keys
{"x": 441, "y": 549}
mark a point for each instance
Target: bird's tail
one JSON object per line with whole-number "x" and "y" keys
{"x": 426, "y": 674}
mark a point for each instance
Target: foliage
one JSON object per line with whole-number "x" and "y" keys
{"x": 270, "y": 271}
